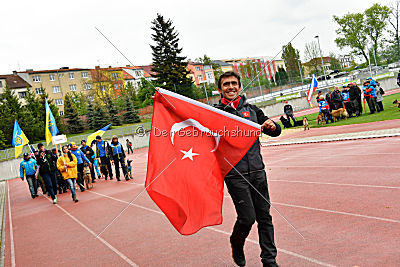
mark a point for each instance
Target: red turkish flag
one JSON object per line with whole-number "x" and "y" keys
{"x": 191, "y": 148}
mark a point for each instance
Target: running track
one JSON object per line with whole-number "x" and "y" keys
{"x": 344, "y": 197}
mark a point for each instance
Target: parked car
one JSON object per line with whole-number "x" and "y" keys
{"x": 323, "y": 78}
{"x": 341, "y": 74}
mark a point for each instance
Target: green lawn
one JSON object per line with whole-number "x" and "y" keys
{"x": 390, "y": 113}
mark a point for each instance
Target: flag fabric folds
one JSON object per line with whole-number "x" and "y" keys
{"x": 32, "y": 149}
{"x": 192, "y": 147}
{"x": 311, "y": 89}
{"x": 51, "y": 127}
{"x": 100, "y": 132}
{"x": 19, "y": 139}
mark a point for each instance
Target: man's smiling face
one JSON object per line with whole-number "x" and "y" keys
{"x": 229, "y": 87}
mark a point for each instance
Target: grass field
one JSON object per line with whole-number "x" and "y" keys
{"x": 390, "y": 113}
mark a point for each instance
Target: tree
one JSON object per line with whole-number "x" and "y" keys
{"x": 100, "y": 118}
{"x": 168, "y": 65}
{"x": 376, "y": 18}
{"x": 113, "y": 112}
{"x": 10, "y": 110}
{"x": 75, "y": 124}
{"x": 145, "y": 94}
{"x": 131, "y": 114}
{"x": 281, "y": 76}
{"x": 352, "y": 33}
{"x": 291, "y": 56}
{"x": 2, "y": 140}
{"x": 90, "y": 116}
{"x": 79, "y": 101}
{"x": 335, "y": 63}
{"x": 394, "y": 22}
{"x": 312, "y": 55}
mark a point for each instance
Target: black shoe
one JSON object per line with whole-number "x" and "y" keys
{"x": 111, "y": 178}
{"x": 238, "y": 254}
{"x": 105, "y": 178}
{"x": 82, "y": 189}
{"x": 118, "y": 179}
{"x": 273, "y": 264}
{"x": 33, "y": 196}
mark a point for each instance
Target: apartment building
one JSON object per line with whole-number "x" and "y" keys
{"x": 58, "y": 82}
{"x": 201, "y": 73}
{"x": 17, "y": 85}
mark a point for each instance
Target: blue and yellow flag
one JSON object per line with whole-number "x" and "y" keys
{"x": 19, "y": 139}
{"x": 100, "y": 132}
{"x": 51, "y": 127}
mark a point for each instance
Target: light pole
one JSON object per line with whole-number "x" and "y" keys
{"x": 301, "y": 73}
{"x": 322, "y": 60}
{"x": 373, "y": 48}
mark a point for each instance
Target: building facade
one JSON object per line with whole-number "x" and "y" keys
{"x": 57, "y": 83}
{"x": 200, "y": 73}
{"x": 17, "y": 85}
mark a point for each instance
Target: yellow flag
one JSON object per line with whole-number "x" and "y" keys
{"x": 19, "y": 139}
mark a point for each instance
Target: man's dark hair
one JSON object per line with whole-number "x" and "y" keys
{"x": 226, "y": 75}
{"x": 40, "y": 145}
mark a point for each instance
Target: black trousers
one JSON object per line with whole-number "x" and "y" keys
{"x": 290, "y": 116}
{"x": 129, "y": 149}
{"x": 119, "y": 159}
{"x": 79, "y": 180}
{"x": 371, "y": 101}
{"x": 251, "y": 207}
{"x": 106, "y": 162}
{"x": 379, "y": 106}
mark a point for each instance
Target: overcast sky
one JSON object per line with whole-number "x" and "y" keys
{"x": 48, "y": 34}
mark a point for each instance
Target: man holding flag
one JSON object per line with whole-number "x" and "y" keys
{"x": 194, "y": 148}
{"x": 311, "y": 89}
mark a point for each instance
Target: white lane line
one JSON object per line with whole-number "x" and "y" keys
{"x": 339, "y": 184}
{"x": 220, "y": 231}
{"x": 11, "y": 227}
{"x": 116, "y": 251}
{"x": 338, "y": 212}
{"x": 279, "y": 249}
{"x": 337, "y": 166}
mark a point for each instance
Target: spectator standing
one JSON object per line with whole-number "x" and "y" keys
{"x": 355, "y": 97}
{"x": 88, "y": 151}
{"x": 379, "y": 97}
{"x": 129, "y": 146}
{"x": 288, "y": 109}
{"x": 337, "y": 99}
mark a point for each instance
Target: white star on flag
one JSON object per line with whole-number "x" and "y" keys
{"x": 189, "y": 154}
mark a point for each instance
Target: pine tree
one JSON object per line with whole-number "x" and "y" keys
{"x": 90, "y": 116}
{"x": 74, "y": 123}
{"x": 10, "y": 110}
{"x": 100, "y": 117}
{"x": 131, "y": 114}
{"x": 2, "y": 140}
{"x": 168, "y": 65}
{"x": 113, "y": 112}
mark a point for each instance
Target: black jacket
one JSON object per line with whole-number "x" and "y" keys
{"x": 47, "y": 163}
{"x": 288, "y": 109}
{"x": 252, "y": 161}
{"x": 336, "y": 96}
{"x": 354, "y": 92}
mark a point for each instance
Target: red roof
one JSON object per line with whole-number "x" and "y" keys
{"x": 14, "y": 81}
{"x": 55, "y": 70}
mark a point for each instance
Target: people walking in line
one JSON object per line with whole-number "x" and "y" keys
{"x": 46, "y": 167}
{"x": 67, "y": 165}
{"x": 118, "y": 157}
{"x": 129, "y": 146}
{"x": 28, "y": 169}
{"x": 80, "y": 157}
{"x": 103, "y": 151}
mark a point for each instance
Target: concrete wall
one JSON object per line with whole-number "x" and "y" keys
{"x": 10, "y": 169}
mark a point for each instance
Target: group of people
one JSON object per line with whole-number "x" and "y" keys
{"x": 56, "y": 172}
{"x": 349, "y": 98}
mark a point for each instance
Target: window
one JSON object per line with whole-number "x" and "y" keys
{"x": 87, "y": 86}
{"x": 1, "y": 83}
{"x": 115, "y": 75}
{"x": 56, "y": 89}
{"x": 85, "y": 75}
{"x": 207, "y": 67}
{"x": 200, "y": 78}
{"x": 61, "y": 113}
{"x": 116, "y": 86}
{"x": 72, "y": 87}
{"x": 36, "y": 78}
{"x": 21, "y": 94}
{"x": 198, "y": 68}
{"x": 59, "y": 102}
{"x": 39, "y": 91}
{"x": 52, "y": 77}
{"x": 103, "y": 88}
{"x": 138, "y": 73}
{"x": 209, "y": 75}
{"x": 71, "y": 75}
{"x": 90, "y": 98}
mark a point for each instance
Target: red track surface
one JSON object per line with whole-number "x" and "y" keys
{"x": 344, "y": 197}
